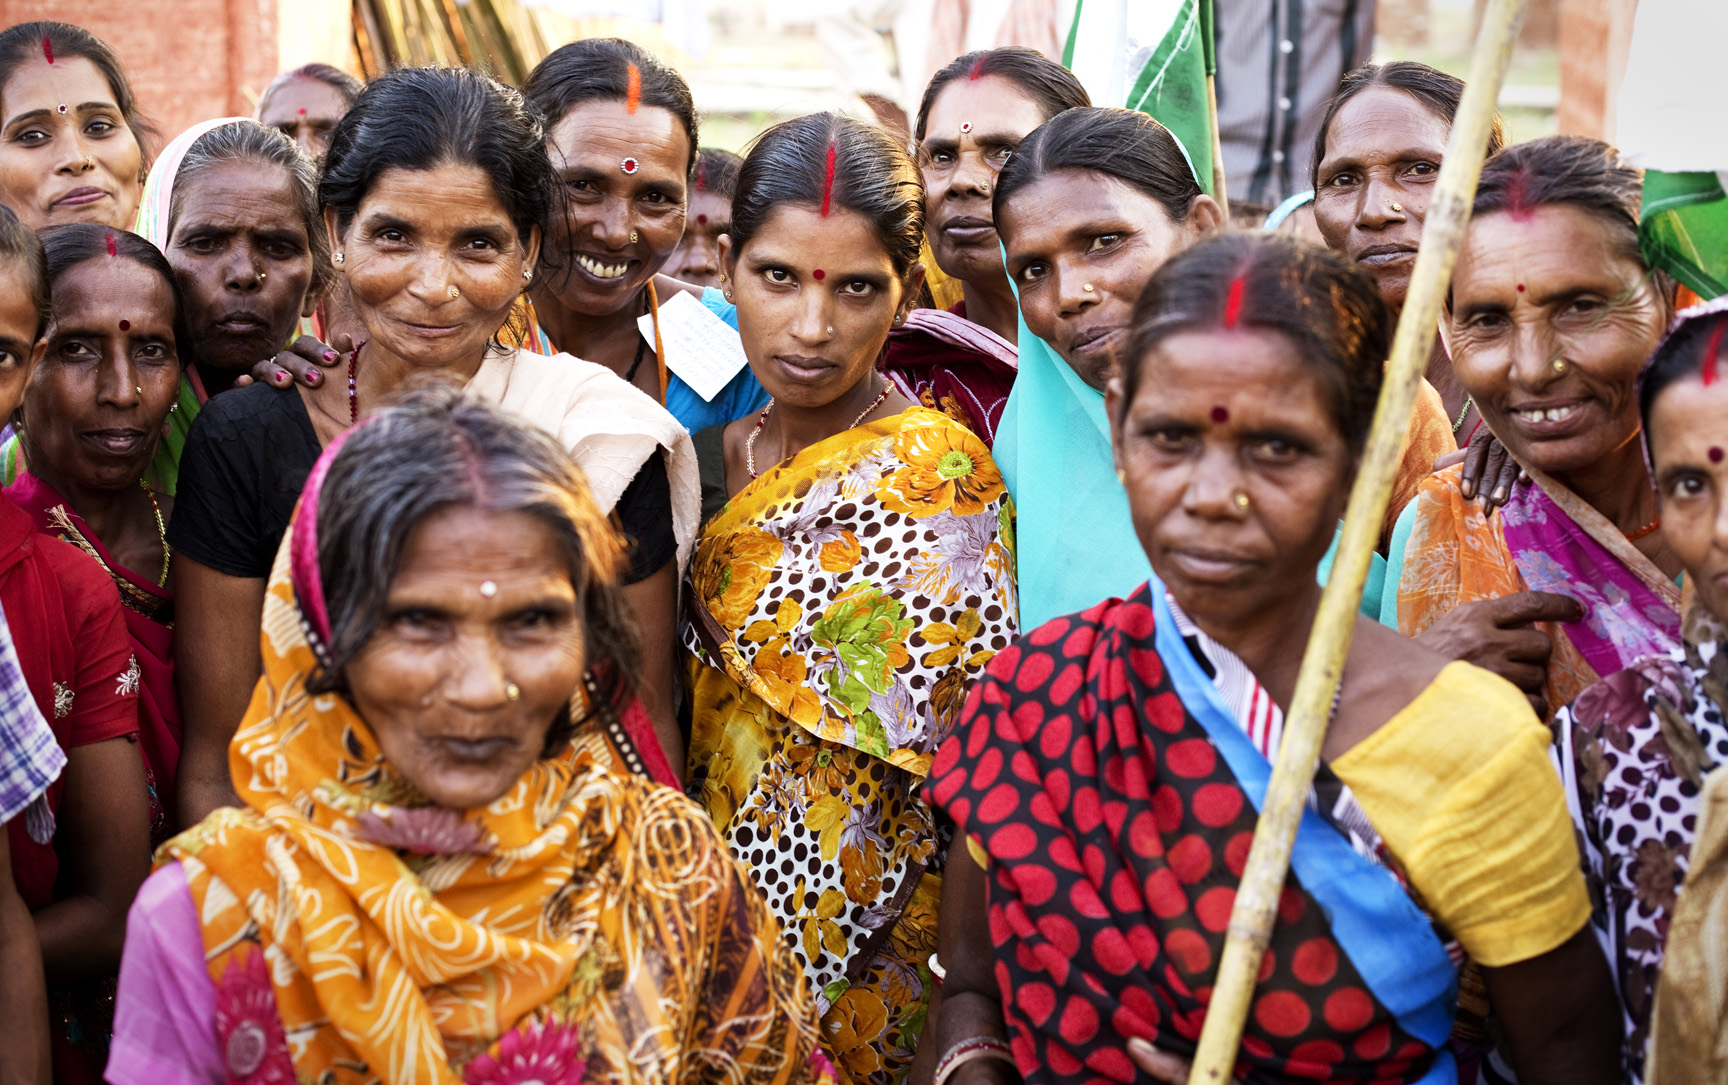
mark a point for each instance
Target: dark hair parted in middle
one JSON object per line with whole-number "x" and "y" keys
{"x": 423, "y": 118}
{"x": 1693, "y": 348}
{"x": 251, "y": 142}
{"x": 609, "y": 70}
{"x": 717, "y": 172}
{"x": 64, "y": 41}
{"x": 435, "y": 448}
{"x": 827, "y": 160}
{"x": 1324, "y": 304}
{"x": 66, "y": 247}
{"x": 1123, "y": 143}
{"x": 1053, "y": 87}
{"x": 1564, "y": 171}
{"x": 1435, "y": 89}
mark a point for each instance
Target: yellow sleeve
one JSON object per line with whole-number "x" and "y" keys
{"x": 1461, "y": 790}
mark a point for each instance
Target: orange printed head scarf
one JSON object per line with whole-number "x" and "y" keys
{"x": 402, "y": 941}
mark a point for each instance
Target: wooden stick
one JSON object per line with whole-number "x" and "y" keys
{"x": 1218, "y": 192}
{"x": 1256, "y": 906}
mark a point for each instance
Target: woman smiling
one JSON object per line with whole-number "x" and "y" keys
{"x": 855, "y": 573}
{"x": 1552, "y": 313}
{"x": 621, "y": 127}
{"x": 436, "y": 193}
{"x": 71, "y": 139}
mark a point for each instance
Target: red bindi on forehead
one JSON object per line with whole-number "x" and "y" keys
{"x": 1220, "y": 414}
{"x": 702, "y": 220}
{"x": 818, "y": 274}
{"x": 125, "y": 325}
{"x": 1715, "y": 453}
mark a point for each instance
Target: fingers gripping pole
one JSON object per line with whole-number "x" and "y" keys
{"x": 1256, "y": 904}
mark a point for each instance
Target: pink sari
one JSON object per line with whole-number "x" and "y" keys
{"x": 943, "y": 361}
{"x": 149, "y": 612}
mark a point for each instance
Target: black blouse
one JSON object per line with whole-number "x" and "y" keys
{"x": 246, "y": 461}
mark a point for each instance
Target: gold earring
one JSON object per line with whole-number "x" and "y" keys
{"x": 722, "y": 276}
{"x": 1121, "y": 476}
{"x": 512, "y": 691}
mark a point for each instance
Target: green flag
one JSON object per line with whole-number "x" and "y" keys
{"x": 1153, "y": 56}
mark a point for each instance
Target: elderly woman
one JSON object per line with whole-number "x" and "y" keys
{"x": 1552, "y": 314}
{"x": 73, "y": 146}
{"x": 89, "y": 426}
{"x": 1635, "y": 748}
{"x": 436, "y": 874}
{"x": 306, "y": 103}
{"x": 1376, "y": 158}
{"x": 855, "y": 574}
{"x": 974, "y": 115}
{"x": 436, "y": 193}
{"x": 621, "y": 127}
{"x": 1107, "y": 772}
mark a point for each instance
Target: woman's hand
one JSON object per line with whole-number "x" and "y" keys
{"x": 1489, "y": 470}
{"x": 1497, "y": 635}
{"x": 304, "y": 361}
{"x": 1168, "y": 1069}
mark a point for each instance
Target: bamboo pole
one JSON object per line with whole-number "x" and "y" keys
{"x": 1256, "y": 905}
{"x": 1218, "y": 191}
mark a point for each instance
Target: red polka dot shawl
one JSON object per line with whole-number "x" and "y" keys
{"x": 1116, "y": 800}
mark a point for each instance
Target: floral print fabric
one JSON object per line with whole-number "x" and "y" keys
{"x": 1634, "y": 750}
{"x": 361, "y": 934}
{"x": 840, "y": 607}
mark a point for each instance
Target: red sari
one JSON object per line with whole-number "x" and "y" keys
{"x": 943, "y": 361}
{"x": 148, "y": 610}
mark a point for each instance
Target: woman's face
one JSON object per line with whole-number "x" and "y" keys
{"x": 1236, "y": 472}
{"x": 66, "y": 154}
{"x": 20, "y": 350}
{"x": 95, "y": 408}
{"x": 1689, "y": 448}
{"x": 1551, "y": 321}
{"x": 306, "y": 111}
{"x": 433, "y": 263}
{"x": 816, "y": 299}
{"x": 624, "y": 174}
{"x": 1382, "y": 158}
{"x": 243, "y": 261}
{"x": 696, "y": 260}
{"x": 1081, "y": 246}
{"x": 973, "y": 128}
{"x": 481, "y": 603}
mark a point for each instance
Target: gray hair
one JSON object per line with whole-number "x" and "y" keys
{"x": 435, "y": 448}
{"x": 249, "y": 141}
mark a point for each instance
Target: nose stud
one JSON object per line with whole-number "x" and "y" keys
{"x": 455, "y": 291}
{"x": 1086, "y": 287}
{"x": 89, "y": 162}
{"x": 1241, "y": 500}
{"x": 1559, "y": 366}
{"x": 512, "y": 691}
{"x": 1398, "y": 207}
{"x": 634, "y": 237}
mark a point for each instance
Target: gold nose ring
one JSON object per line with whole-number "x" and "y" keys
{"x": 89, "y": 162}
{"x": 455, "y": 291}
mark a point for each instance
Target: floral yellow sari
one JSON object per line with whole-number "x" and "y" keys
{"x": 839, "y": 608}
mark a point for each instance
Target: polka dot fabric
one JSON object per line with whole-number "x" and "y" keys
{"x": 1116, "y": 836}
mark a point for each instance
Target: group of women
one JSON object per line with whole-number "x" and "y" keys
{"x": 498, "y": 707}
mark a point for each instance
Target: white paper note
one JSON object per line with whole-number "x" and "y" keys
{"x": 700, "y": 347}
